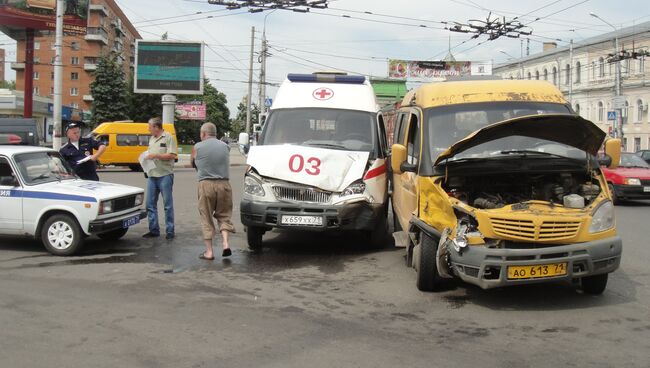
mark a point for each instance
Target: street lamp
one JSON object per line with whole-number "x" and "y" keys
{"x": 618, "y": 129}
{"x": 521, "y": 67}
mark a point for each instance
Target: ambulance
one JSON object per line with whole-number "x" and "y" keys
{"x": 320, "y": 162}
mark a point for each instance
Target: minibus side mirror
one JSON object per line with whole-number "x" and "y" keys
{"x": 398, "y": 156}
{"x": 613, "y": 150}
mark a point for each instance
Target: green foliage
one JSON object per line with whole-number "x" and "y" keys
{"x": 142, "y": 106}
{"x": 8, "y": 85}
{"x": 238, "y": 125}
{"x": 108, "y": 91}
{"x": 217, "y": 112}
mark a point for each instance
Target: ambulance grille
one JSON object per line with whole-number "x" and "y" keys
{"x": 299, "y": 194}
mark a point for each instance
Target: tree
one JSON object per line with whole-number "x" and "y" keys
{"x": 239, "y": 124}
{"x": 8, "y": 84}
{"x": 216, "y": 112}
{"x": 142, "y": 106}
{"x": 108, "y": 91}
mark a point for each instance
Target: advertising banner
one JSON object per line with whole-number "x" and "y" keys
{"x": 18, "y": 15}
{"x": 169, "y": 67}
{"x": 427, "y": 70}
{"x": 191, "y": 111}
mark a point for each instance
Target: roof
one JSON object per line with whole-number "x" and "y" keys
{"x": 460, "y": 92}
{"x": 604, "y": 37}
{"x": 335, "y": 96}
{"x": 11, "y": 150}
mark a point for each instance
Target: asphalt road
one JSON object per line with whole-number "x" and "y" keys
{"x": 305, "y": 300}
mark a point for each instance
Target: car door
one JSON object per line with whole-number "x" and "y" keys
{"x": 405, "y": 186}
{"x": 11, "y": 199}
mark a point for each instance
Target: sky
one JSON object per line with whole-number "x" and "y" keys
{"x": 344, "y": 37}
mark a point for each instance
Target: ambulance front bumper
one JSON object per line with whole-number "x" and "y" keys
{"x": 349, "y": 216}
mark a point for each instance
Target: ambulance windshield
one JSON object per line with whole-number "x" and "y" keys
{"x": 325, "y": 128}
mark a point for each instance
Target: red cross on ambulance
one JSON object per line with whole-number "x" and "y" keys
{"x": 322, "y": 93}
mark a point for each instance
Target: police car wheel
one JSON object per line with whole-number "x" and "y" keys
{"x": 113, "y": 234}
{"x": 61, "y": 235}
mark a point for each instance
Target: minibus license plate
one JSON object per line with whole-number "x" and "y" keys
{"x": 537, "y": 271}
{"x": 302, "y": 220}
{"x": 130, "y": 221}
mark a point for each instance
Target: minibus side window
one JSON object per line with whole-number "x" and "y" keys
{"x": 127, "y": 140}
{"x": 143, "y": 140}
{"x": 103, "y": 139}
{"x": 413, "y": 143}
{"x": 400, "y": 128}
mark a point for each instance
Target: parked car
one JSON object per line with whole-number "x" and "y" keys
{"x": 497, "y": 183}
{"x": 630, "y": 180}
{"x": 644, "y": 154}
{"x": 40, "y": 196}
{"x": 10, "y": 139}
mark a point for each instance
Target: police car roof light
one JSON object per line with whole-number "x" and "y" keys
{"x": 326, "y": 78}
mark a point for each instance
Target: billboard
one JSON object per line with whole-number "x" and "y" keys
{"x": 194, "y": 110}
{"x": 172, "y": 67}
{"x": 18, "y": 15}
{"x": 426, "y": 70}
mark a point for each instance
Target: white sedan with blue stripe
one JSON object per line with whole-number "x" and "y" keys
{"x": 40, "y": 196}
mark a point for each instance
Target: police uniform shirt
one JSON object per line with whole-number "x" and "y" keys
{"x": 163, "y": 144}
{"x": 73, "y": 154}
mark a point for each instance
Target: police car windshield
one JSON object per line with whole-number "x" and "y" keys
{"x": 326, "y": 128}
{"x": 43, "y": 167}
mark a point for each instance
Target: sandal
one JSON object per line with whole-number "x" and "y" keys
{"x": 202, "y": 256}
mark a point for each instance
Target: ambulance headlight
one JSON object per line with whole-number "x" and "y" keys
{"x": 253, "y": 187}
{"x": 138, "y": 199}
{"x": 358, "y": 187}
{"x": 105, "y": 207}
{"x": 602, "y": 218}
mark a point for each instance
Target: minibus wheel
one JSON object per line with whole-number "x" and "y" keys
{"x": 594, "y": 285}
{"x": 425, "y": 264}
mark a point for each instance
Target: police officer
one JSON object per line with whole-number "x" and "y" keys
{"x": 79, "y": 153}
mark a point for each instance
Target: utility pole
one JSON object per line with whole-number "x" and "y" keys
{"x": 262, "y": 105}
{"x": 570, "y": 71}
{"x": 250, "y": 84}
{"x": 58, "y": 75}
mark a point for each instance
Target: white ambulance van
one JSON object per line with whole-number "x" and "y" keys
{"x": 320, "y": 162}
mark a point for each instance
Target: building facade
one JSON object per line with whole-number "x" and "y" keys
{"x": 2, "y": 65}
{"x": 586, "y": 75}
{"x": 109, "y": 30}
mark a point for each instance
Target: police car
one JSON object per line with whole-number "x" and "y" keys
{"x": 320, "y": 162}
{"x": 41, "y": 197}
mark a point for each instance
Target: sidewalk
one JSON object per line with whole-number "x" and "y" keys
{"x": 236, "y": 158}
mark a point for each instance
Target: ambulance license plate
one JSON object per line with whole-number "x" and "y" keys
{"x": 130, "y": 221}
{"x": 301, "y": 220}
{"x": 537, "y": 271}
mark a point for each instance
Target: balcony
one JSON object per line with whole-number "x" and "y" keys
{"x": 99, "y": 8}
{"x": 18, "y": 66}
{"x": 90, "y": 67}
{"x": 88, "y": 98}
{"x": 97, "y": 34}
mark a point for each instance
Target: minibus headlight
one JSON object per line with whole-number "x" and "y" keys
{"x": 602, "y": 218}
{"x": 253, "y": 187}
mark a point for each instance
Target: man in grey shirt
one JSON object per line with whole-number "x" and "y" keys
{"x": 211, "y": 157}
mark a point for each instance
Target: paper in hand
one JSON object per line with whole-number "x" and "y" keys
{"x": 87, "y": 158}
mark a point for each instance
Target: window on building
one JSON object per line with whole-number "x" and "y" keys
{"x": 578, "y": 72}
{"x": 601, "y": 111}
{"x": 593, "y": 70}
{"x": 74, "y": 76}
{"x": 74, "y": 91}
{"x": 625, "y": 67}
{"x": 51, "y": 75}
{"x": 554, "y": 75}
{"x": 536, "y": 74}
{"x": 624, "y": 113}
{"x": 36, "y": 75}
{"x": 51, "y": 90}
{"x": 623, "y": 149}
{"x": 37, "y": 60}
{"x": 545, "y": 74}
{"x": 35, "y": 91}
{"x": 637, "y": 144}
{"x": 567, "y": 74}
{"x": 642, "y": 65}
{"x": 529, "y": 76}
{"x": 74, "y": 60}
{"x": 639, "y": 110}
{"x": 601, "y": 67}
{"x": 74, "y": 45}
{"x": 577, "y": 109}
{"x": 74, "y": 105}
{"x": 37, "y": 45}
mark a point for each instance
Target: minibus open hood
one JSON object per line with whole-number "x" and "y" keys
{"x": 571, "y": 130}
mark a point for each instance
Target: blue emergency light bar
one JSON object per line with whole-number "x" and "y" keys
{"x": 327, "y": 78}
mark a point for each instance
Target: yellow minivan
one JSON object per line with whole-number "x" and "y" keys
{"x": 125, "y": 141}
{"x": 497, "y": 183}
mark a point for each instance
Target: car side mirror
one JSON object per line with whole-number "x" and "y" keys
{"x": 605, "y": 160}
{"x": 8, "y": 181}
